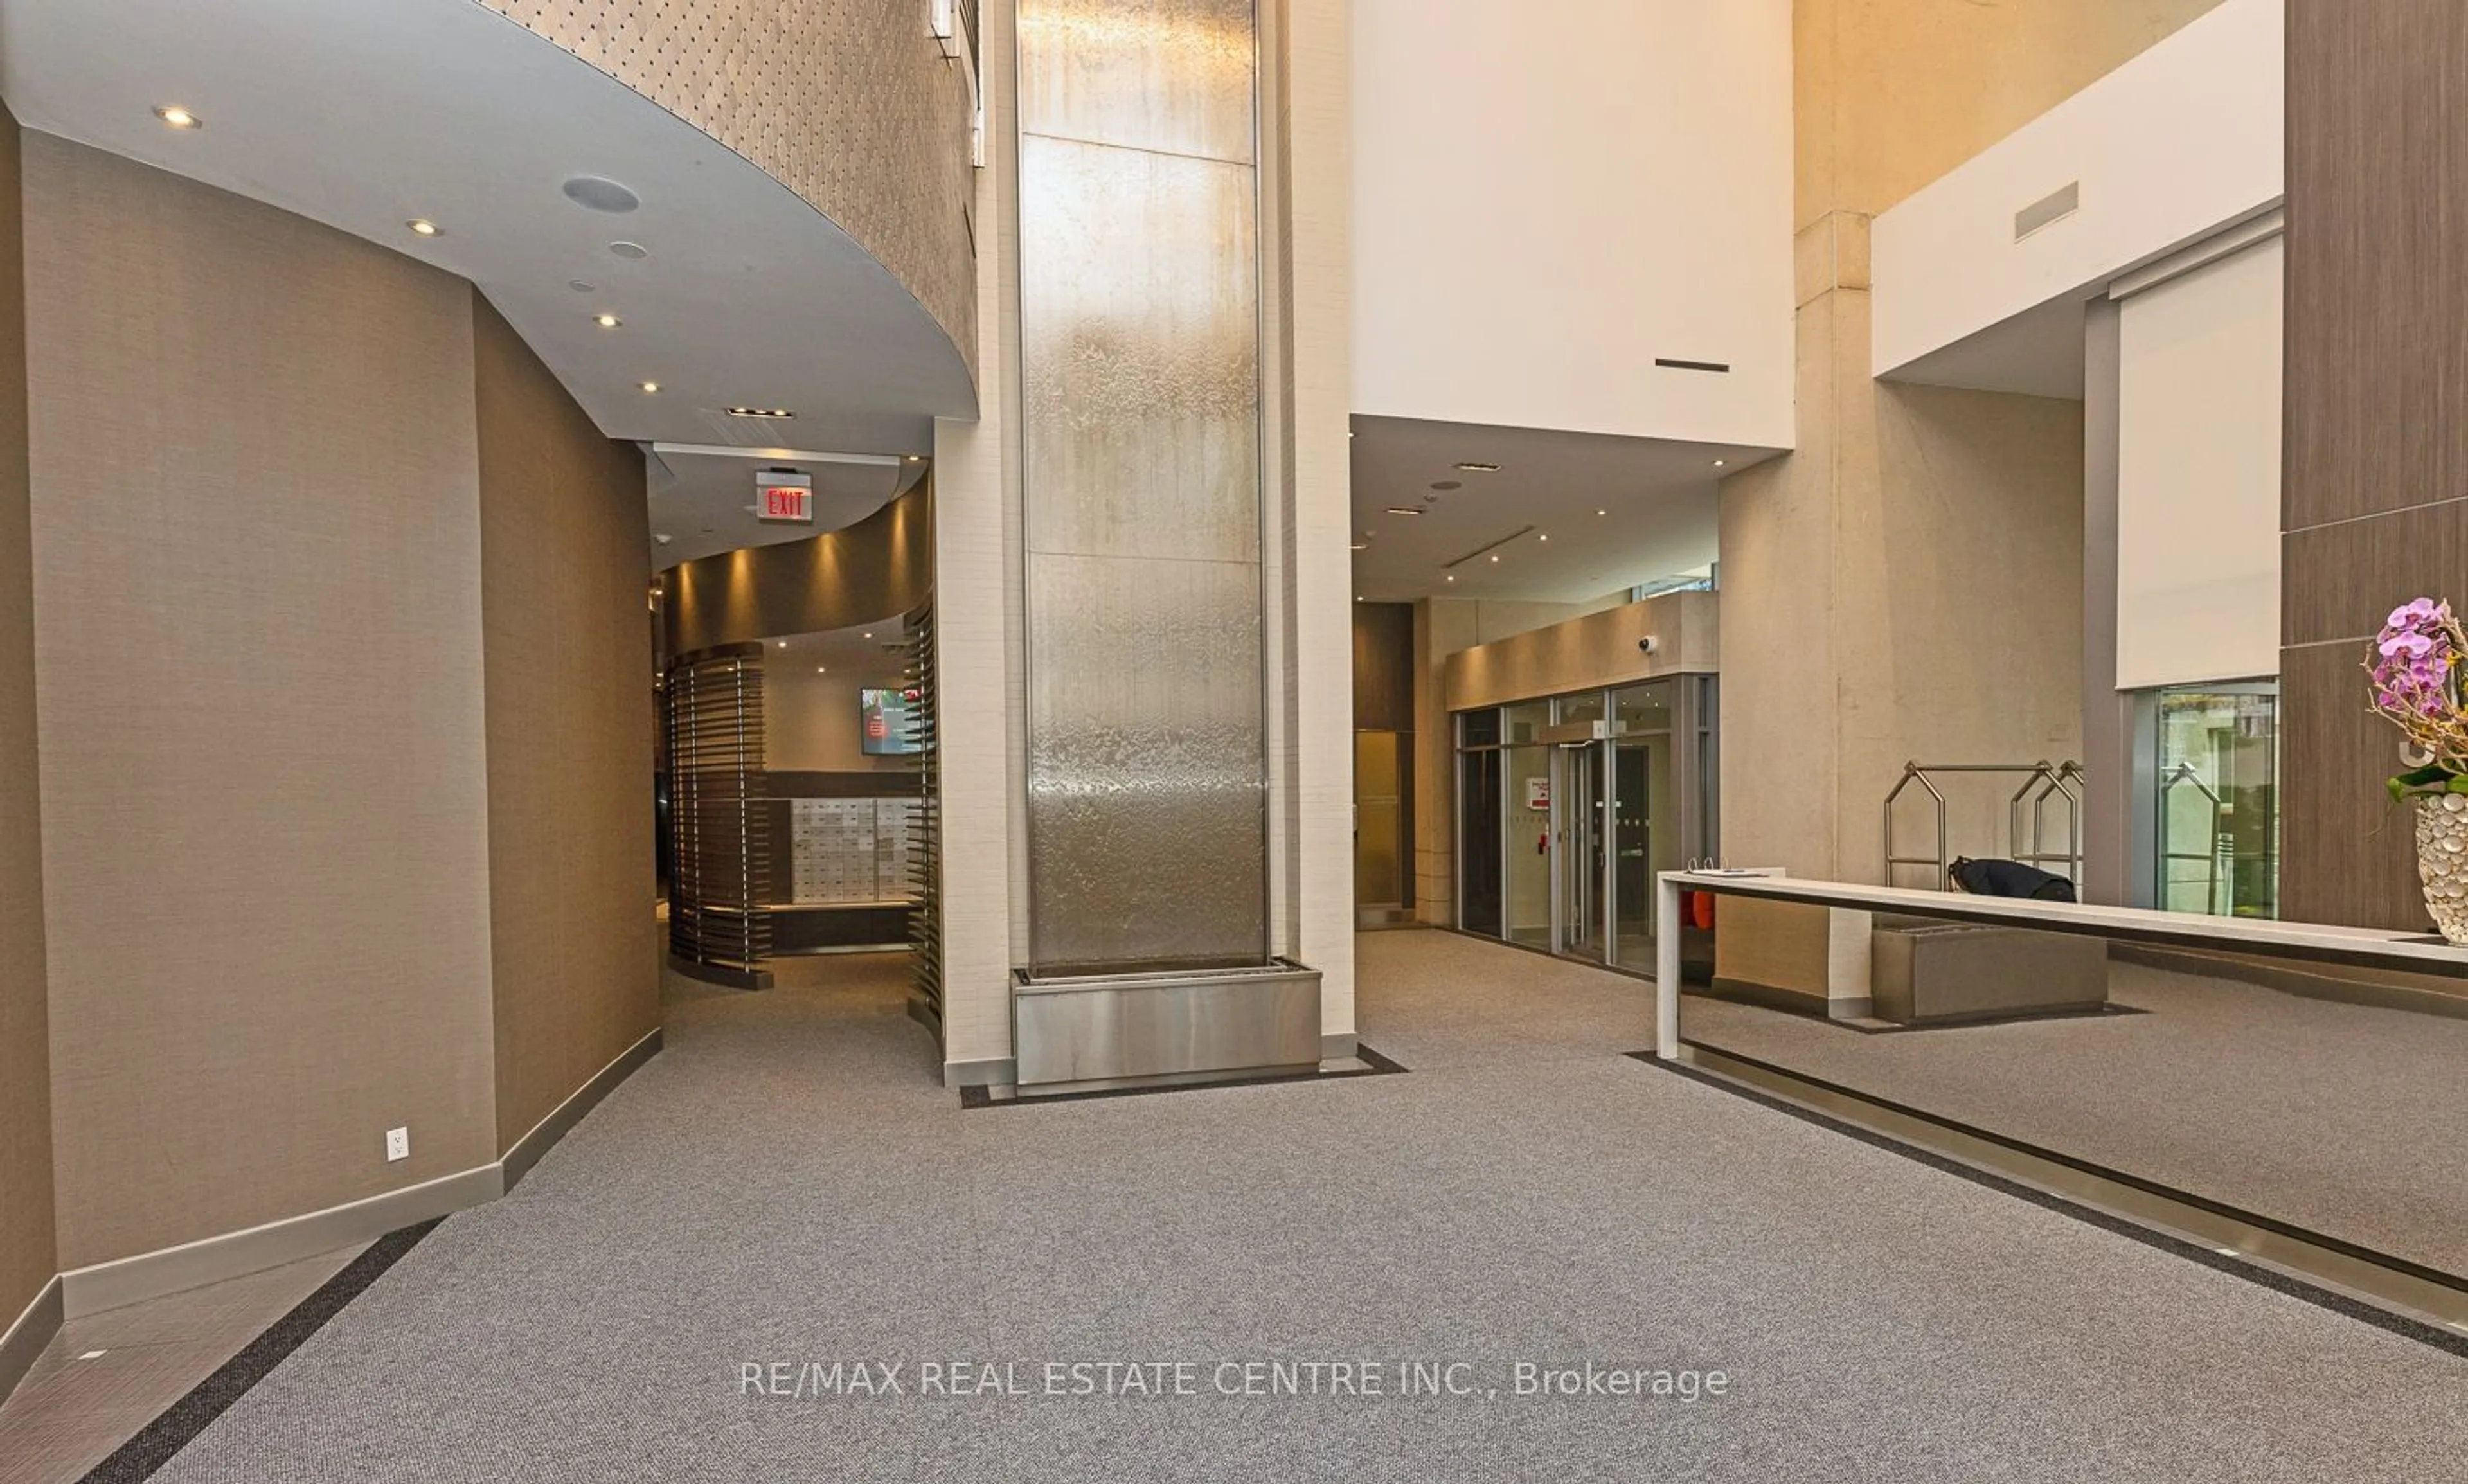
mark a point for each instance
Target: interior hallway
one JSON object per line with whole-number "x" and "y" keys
{"x": 787, "y": 1181}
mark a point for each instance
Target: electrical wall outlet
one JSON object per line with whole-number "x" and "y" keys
{"x": 397, "y": 1144}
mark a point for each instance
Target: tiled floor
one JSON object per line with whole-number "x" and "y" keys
{"x": 107, "y": 1375}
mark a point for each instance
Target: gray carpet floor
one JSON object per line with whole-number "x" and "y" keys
{"x": 2347, "y": 1119}
{"x": 787, "y": 1181}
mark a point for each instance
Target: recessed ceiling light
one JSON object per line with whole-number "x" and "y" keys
{"x": 1495, "y": 557}
{"x": 1602, "y": 512}
{"x": 1358, "y": 596}
{"x": 1544, "y": 538}
{"x": 424, "y": 227}
{"x": 869, "y": 635}
{"x": 651, "y": 386}
{"x": 822, "y": 670}
{"x": 1361, "y": 546}
{"x": 1480, "y": 469}
{"x": 581, "y": 285}
{"x": 917, "y": 458}
{"x": 600, "y": 194}
{"x": 174, "y": 116}
{"x": 605, "y": 320}
{"x": 1449, "y": 483}
{"x": 760, "y": 412}
{"x": 783, "y": 644}
{"x": 662, "y": 538}
{"x": 631, "y": 252}
{"x": 1405, "y": 510}
{"x": 1718, "y": 464}
{"x": 1452, "y": 577}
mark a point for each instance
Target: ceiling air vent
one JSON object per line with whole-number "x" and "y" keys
{"x": 2048, "y": 209}
{"x": 735, "y": 426}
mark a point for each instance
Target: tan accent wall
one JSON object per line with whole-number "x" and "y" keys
{"x": 1773, "y": 945}
{"x": 257, "y": 546}
{"x": 1589, "y": 653}
{"x": 848, "y": 102}
{"x": 1890, "y": 93}
{"x": 1908, "y": 583}
{"x": 27, "y": 1260}
{"x": 879, "y": 568}
{"x": 811, "y": 722}
{"x": 564, "y": 537}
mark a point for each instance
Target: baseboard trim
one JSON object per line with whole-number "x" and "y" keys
{"x": 526, "y": 1152}
{"x": 27, "y": 1335}
{"x": 992, "y": 1072}
{"x": 133, "y": 1280}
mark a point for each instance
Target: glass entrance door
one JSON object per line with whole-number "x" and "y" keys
{"x": 1634, "y": 858}
{"x": 2218, "y": 837}
{"x": 1583, "y": 848}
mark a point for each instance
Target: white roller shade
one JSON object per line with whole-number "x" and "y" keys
{"x": 2198, "y": 475}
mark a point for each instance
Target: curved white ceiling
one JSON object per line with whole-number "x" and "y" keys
{"x": 363, "y": 114}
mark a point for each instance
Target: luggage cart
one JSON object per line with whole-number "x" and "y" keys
{"x": 2026, "y": 814}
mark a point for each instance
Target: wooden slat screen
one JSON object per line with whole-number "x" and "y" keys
{"x": 722, "y": 856}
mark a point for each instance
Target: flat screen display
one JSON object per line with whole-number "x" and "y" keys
{"x": 888, "y": 719}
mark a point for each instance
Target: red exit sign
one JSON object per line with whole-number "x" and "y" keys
{"x": 785, "y": 496}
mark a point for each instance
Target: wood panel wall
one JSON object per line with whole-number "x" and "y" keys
{"x": 1384, "y": 667}
{"x": 2375, "y": 504}
{"x": 1384, "y": 702}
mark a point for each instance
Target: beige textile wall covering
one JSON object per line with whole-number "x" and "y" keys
{"x": 1908, "y": 583}
{"x": 848, "y": 102}
{"x": 564, "y": 537}
{"x": 26, "y": 1247}
{"x": 258, "y": 634}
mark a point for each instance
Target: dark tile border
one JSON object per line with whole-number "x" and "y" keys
{"x": 1379, "y": 1066}
{"x": 2446, "y": 1341}
{"x": 155, "y": 1444}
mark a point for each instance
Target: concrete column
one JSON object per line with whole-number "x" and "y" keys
{"x": 976, "y": 576}
{"x": 1908, "y": 583}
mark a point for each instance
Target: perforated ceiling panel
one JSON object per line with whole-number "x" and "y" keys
{"x": 848, "y": 102}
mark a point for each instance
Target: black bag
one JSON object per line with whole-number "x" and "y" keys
{"x": 2010, "y": 879}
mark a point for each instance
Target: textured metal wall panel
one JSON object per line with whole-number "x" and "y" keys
{"x": 1139, "y": 291}
{"x": 1146, "y": 792}
{"x": 1133, "y": 1028}
{"x": 1171, "y": 76}
{"x": 1140, "y": 349}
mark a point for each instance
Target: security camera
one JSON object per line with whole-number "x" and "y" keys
{"x": 1648, "y": 644}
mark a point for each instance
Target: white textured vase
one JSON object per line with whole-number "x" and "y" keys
{"x": 2442, "y": 860}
